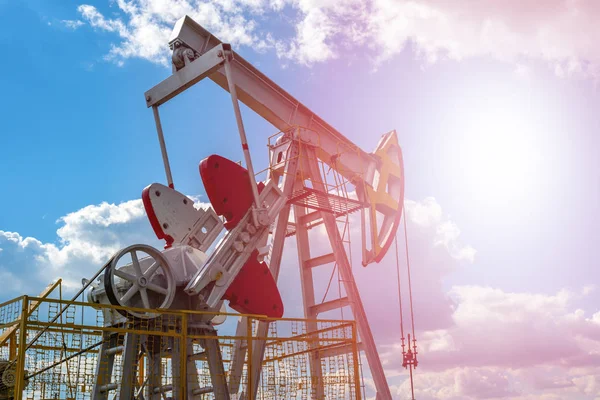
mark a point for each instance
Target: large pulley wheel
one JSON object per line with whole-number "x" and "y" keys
{"x": 8, "y": 379}
{"x": 139, "y": 276}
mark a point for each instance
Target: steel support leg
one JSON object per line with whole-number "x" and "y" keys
{"x": 104, "y": 366}
{"x": 279, "y": 233}
{"x": 155, "y": 368}
{"x": 215, "y": 365}
{"x": 288, "y": 184}
{"x": 193, "y": 386}
{"x": 308, "y": 298}
{"x": 176, "y": 368}
{"x": 131, "y": 343}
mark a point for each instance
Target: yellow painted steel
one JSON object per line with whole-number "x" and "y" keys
{"x": 10, "y": 333}
{"x": 63, "y": 362}
{"x": 379, "y": 198}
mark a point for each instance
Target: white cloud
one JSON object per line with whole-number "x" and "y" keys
{"x": 507, "y": 345}
{"x": 559, "y": 32}
{"x": 72, "y": 24}
{"x": 85, "y": 240}
{"x": 144, "y": 26}
{"x": 497, "y": 328}
{"x": 428, "y": 214}
{"x": 469, "y": 383}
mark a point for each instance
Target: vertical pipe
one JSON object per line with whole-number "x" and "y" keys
{"x": 19, "y": 384}
{"x": 80, "y": 349}
{"x": 163, "y": 147}
{"x": 240, "y": 124}
{"x": 412, "y": 386}
{"x": 183, "y": 386}
{"x": 249, "y": 389}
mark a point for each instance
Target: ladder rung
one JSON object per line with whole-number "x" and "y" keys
{"x": 339, "y": 350}
{"x": 114, "y": 350}
{"x": 321, "y": 260}
{"x": 162, "y": 389}
{"x": 204, "y": 390}
{"x": 330, "y": 305}
{"x": 108, "y": 386}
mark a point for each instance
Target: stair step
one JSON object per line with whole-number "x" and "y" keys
{"x": 198, "y": 356}
{"x": 310, "y": 217}
{"x": 329, "y": 305}
{"x": 114, "y": 350}
{"x": 320, "y": 260}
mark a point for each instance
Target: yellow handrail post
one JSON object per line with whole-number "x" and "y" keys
{"x": 355, "y": 355}
{"x": 12, "y": 347}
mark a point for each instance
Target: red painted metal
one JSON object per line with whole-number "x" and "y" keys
{"x": 227, "y": 185}
{"x": 228, "y": 188}
{"x": 254, "y": 290}
{"x": 153, "y": 220}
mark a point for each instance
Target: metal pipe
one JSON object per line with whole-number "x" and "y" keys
{"x": 240, "y": 124}
{"x": 163, "y": 147}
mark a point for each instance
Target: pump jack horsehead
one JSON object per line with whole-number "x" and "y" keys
{"x": 256, "y": 217}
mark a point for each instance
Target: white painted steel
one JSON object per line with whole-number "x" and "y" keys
{"x": 178, "y": 218}
{"x": 233, "y": 251}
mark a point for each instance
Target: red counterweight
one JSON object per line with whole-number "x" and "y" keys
{"x": 254, "y": 290}
{"x": 227, "y": 185}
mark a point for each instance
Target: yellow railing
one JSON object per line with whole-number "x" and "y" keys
{"x": 58, "y": 342}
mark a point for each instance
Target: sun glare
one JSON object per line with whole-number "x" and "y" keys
{"x": 499, "y": 156}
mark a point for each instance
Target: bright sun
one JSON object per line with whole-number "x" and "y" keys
{"x": 499, "y": 156}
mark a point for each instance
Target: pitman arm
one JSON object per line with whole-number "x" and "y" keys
{"x": 223, "y": 265}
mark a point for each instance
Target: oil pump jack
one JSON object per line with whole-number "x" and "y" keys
{"x": 244, "y": 266}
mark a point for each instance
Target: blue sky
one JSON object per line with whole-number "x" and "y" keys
{"x": 504, "y": 138}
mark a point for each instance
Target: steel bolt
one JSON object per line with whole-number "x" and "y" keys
{"x": 250, "y": 228}
{"x": 148, "y": 98}
{"x": 245, "y": 236}
{"x": 238, "y": 246}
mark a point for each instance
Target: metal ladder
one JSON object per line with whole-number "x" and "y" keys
{"x": 352, "y": 299}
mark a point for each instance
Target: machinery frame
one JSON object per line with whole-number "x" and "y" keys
{"x": 378, "y": 177}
